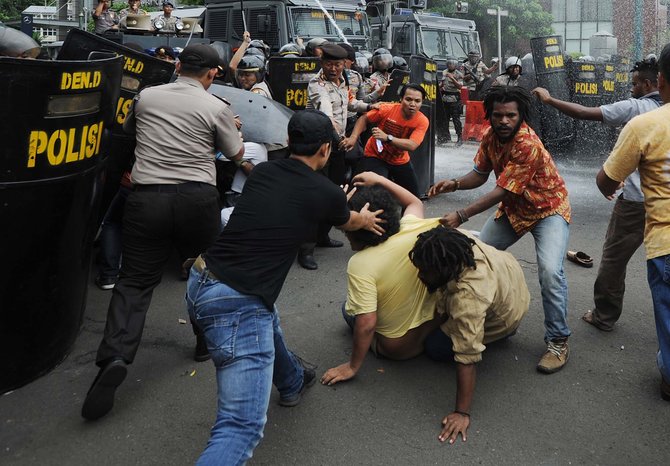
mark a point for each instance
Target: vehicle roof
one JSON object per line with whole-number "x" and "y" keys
{"x": 439, "y": 22}
{"x": 337, "y": 4}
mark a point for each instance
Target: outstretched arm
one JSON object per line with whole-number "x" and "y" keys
{"x": 455, "y": 219}
{"x": 410, "y": 204}
{"x": 573, "y": 110}
{"x": 246, "y": 39}
{"x": 348, "y": 143}
{"x": 458, "y": 421}
{"x": 470, "y": 181}
{"x": 364, "y": 330}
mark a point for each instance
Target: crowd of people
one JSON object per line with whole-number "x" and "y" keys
{"x": 451, "y": 292}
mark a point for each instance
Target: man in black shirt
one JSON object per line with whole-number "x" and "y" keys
{"x": 232, "y": 287}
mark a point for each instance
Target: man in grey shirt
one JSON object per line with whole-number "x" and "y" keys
{"x": 175, "y": 203}
{"x": 105, "y": 19}
{"x": 626, "y": 227}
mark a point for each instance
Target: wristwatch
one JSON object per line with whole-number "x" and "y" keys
{"x": 389, "y": 138}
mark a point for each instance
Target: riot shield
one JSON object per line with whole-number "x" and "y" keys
{"x": 56, "y": 121}
{"x": 621, "y": 78}
{"x": 139, "y": 70}
{"x": 555, "y": 128}
{"x": 288, "y": 79}
{"x": 607, "y": 76}
{"x": 398, "y": 79}
{"x": 423, "y": 71}
{"x": 587, "y": 90}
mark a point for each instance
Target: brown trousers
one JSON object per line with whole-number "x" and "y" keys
{"x": 625, "y": 233}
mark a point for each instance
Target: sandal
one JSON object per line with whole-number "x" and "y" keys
{"x": 590, "y": 319}
{"x": 580, "y": 258}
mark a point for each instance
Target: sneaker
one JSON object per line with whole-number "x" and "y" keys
{"x": 308, "y": 379}
{"x": 555, "y": 357}
{"x": 105, "y": 283}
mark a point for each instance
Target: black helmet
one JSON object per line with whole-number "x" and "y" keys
{"x": 252, "y": 64}
{"x": 290, "y": 50}
{"x": 260, "y": 45}
{"x": 399, "y": 63}
{"x": 312, "y": 45}
{"x": 382, "y": 60}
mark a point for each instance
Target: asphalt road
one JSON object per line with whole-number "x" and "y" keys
{"x": 603, "y": 408}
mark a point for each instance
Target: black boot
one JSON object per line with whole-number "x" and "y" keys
{"x": 306, "y": 257}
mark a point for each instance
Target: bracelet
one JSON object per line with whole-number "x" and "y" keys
{"x": 458, "y": 184}
{"x": 462, "y": 216}
{"x": 462, "y": 413}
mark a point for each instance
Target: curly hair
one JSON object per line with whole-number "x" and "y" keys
{"x": 379, "y": 198}
{"x": 647, "y": 69}
{"x": 506, "y": 94}
{"x": 444, "y": 253}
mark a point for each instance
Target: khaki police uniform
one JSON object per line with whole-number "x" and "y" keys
{"x": 373, "y": 84}
{"x": 170, "y": 23}
{"x": 506, "y": 80}
{"x": 477, "y": 70}
{"x": 451, "y": 97}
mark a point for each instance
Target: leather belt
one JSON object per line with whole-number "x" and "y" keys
{"x": 201, "y": 266}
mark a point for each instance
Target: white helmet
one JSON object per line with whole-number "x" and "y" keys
{"x": 512, "y": 61}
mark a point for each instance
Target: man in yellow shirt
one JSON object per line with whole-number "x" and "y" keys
{"x": 644, "y": 143}
{"x": 388, "y": 307}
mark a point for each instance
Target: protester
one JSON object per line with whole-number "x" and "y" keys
{"x": 400, "y": 128}
{"x": 644, "y": 144}
{"x": 532, "y": 197}
{"x": 233, "y": 287}
{"x": 625, "y": 231}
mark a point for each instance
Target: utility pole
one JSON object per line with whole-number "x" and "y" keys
{"x": 496, "y": 11}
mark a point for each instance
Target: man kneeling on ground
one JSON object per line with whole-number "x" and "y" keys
{"x": 482, "y": 293}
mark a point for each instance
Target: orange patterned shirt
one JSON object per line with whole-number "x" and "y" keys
{"x": 524, "y": 167}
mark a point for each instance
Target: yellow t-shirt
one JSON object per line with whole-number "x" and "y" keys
{"x": 644, "y": 143}
{"x": 382, "y": 279}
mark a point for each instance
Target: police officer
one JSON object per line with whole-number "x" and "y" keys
{"x": 250, "y": 75}
{"x": 382, "y": 63}
{"x": 452, "y": 82}
{"x": 175, "y": 203}
{"x": 105, "y": 19}
{"x": 328, "y": 92}
{"x": 166, "y": 22}
{"x": 511, "y": 75}
{"x": 133, "y": 9}
{"x": 475, "y": 71}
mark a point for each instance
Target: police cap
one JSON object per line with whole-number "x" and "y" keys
{"x": 308, "y": 127}
{"x": 333, "y": 52}
{"x": 200, "y": 55}
{"x": 351, "y": 53}
{"x": 168, "y": 3}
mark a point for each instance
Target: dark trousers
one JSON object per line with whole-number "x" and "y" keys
{"x": 157, "y": 218}
{"x": 403, "y": 175}
{"x": 625, "y": 234}
{"x": 453, "y": 111}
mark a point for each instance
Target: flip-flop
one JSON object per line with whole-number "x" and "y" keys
{"x": 589, "y": 318}
{"x": 580, "y": 258}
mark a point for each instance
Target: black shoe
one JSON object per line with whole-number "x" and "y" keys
{"x": 201, "y": 351}
{"x": 100, "y": 397}
{"x": 105, "y": 283}
{"x": 307, "y": 261}
{"x": 328, "y": 242}
{"x": 308, "y": 379}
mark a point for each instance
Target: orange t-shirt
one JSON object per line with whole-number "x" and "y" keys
{"x": 389, "y": 118}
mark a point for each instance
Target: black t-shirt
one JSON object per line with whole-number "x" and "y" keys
{"x": 281, "y": 205}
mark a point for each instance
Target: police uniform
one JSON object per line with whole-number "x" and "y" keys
{"x": 105, "y": 21}
{"x": 478, "y": 70}
{"x": 506, "y": 80}
{"x": 175, "y": 202}
{"x": 261, "y": 88}
{"x": 170, "y": 23}
{"x": 373, "y": 84}
{"x": 451, "y": 96}
{"x": 123, "y": 16}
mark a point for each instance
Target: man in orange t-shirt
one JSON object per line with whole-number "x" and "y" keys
{"x": 400, "y": 128}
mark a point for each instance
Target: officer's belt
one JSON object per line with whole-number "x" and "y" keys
{"x": 188, "y": 187}
{"x": 201, "y": 266}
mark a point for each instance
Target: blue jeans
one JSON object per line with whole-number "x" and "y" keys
{"x": 248, "y": 350}
{"x": 551, "y": 244}
{"x": 658, "y": 275}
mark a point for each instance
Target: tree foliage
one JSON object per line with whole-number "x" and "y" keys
{"x": 526, "y": 19}
{"x": 11, "y": 9}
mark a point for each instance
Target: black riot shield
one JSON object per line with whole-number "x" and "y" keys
{"x": 398, "y": 79}
{"x": 621, "y": 78}
{"x": 607, "y": 74}
{"x": 56, "y": 121}
{"x": 288, "y": 79}
{"x": 423, "y": 71}
{"x": 587, "y": 90}
{"x": 139, "y": 70}
{"x": 550, "y": 72}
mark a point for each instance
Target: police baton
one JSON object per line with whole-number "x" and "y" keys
{"x": 244, "y": 20}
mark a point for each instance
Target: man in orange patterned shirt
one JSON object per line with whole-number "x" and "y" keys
{"x": 532, "y": 198}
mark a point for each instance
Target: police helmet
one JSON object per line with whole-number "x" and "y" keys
{"x": 513, "y": 61}
{"x": 382, "y": 60}
{"x": 290, "y": 50}
{"x": 16, "y": 44}
{"x": 313, "y": 44}
{"x": 399, "y": 63}
{"x": 474, "y": 56}
{"x": 254, "y": 52}
{"x": 260, "y": 45}
{"x": 452, "y": 61}
{"x": 252, "y": 64}
{"x": 362, "y": 64}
